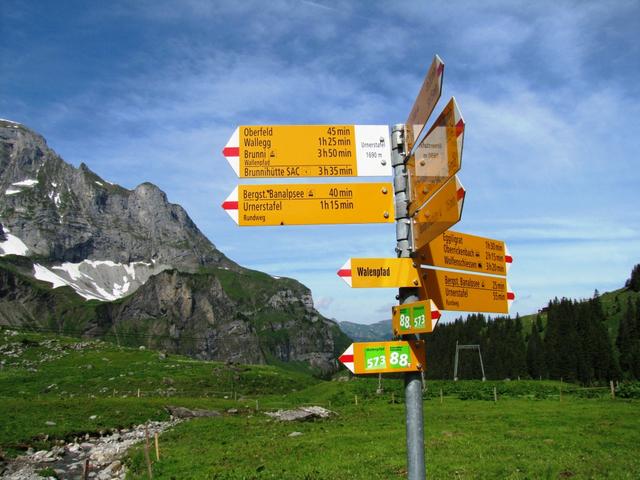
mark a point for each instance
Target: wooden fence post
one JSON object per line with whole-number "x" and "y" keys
{"x": 87, "y": 467}
{"x": 155, "y": 436}
{"x": 613, "y": 390}
{"x": 146, "y": 451}
{"x": 560, "y": 388}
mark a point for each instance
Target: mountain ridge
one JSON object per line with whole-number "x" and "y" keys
{"x": 147, "y": 270}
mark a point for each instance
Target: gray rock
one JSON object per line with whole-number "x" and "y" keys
{"x": 182, "y": 412}
{"x": 295, "y": 434}
{"x": 301, "y": 414}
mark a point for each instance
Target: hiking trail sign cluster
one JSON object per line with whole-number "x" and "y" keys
{"x": 449, "y": 270}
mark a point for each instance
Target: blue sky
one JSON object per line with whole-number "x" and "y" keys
{"x": 550, "y": 92}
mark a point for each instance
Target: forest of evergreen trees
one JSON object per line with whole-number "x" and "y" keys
{"x": 573, "y": 344}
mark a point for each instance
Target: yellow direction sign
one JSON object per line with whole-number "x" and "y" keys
{"x": 426, "y": 101}
{"x": 461, "y": 251}
{"x": 467, "y": 292}
{"x": 417, "y": 317}
{"x": 263, "y": 151}
{"x": 439, "y": 214}
{"x": 311, "y": 204}
{"x": 438, "y": 157}
{"x": 380, "y": 273}
{"x": 384, "y": 357}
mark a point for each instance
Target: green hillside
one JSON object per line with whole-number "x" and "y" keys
{"x": 56, "y": 389}
{"x": 614, "y": 305}
{"x": 277, "y": 314}
{"x": 63, "y": 380}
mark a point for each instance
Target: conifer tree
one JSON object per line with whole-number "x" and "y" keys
{"x": 535, "y": 352}
{"x": 624, "y": 340}
{"x": 634, "y": 281}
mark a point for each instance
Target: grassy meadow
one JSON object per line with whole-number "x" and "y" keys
{"x": 54, "y": 388}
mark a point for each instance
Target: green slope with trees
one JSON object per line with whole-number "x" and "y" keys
{"x": 590, "y": 341}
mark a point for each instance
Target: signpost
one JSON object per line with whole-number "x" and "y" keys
{"x": 462, "y": 251}
{"x": 467, "y": 292}
{"x": 438, "y": 156}
{"x": 440, "y": 213}
{"x": 284, "y": 151}
{"x": 425, "y": 199}
{"x": 415, "y": 318}
{"x": 365, "y": 358}
{"x": 380, "y": 273}
{"x": 310, "y": 204}
{"x": 425, "y": 102}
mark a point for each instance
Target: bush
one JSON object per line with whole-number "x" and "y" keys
{"x": 629, "y": 390}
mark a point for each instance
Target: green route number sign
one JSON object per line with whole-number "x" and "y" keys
{"x": 412, "y": 317}
{"x": 416, "y": 317}
{"x": 399, "y": 357}
{"x": 378, "y": 358}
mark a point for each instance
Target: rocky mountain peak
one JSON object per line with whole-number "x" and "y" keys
{"x": 156, "y": 278}
{"x": 69, "y": 214}
{"x": 22, "y": 152}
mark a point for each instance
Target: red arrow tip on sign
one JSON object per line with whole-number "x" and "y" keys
{"x": 460, "y": 193}
{"x": 345, "y": 272}
{"x": 230, "y": 205}
{"x": 508, "y": 259}
{"x": 435, "y": 315}
{"x": 231, "y": 151}
{"x": 346, "y": 358}
{"x": 511, "y": 296}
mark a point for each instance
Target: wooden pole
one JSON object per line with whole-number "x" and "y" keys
{"x": 495, "y": 395}
{"x": 356, "y": 399}
{"x": 146, "y": 451}
{"x": 560, "y": 388}
{"x": 613, "y": 390}
{"x": 87, "y": 467}
{"x": 441, "y": 396}
{"x": 138, "y": 393}
{"x": 155, "y": 437}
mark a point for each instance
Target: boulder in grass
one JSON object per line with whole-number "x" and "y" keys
{"x": 301, "y": 414}
{"x": 182, "y": 412}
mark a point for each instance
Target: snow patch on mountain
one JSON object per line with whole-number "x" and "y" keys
{"x": 12, "y": 245}
{"x": 99, "y": 279}
{"x": 14, "y": 124}
{"x": 55, "y": 197}
{"x": 29, "y": 182}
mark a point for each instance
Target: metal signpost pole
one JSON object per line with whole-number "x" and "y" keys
{"x": 412, "y": 380}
